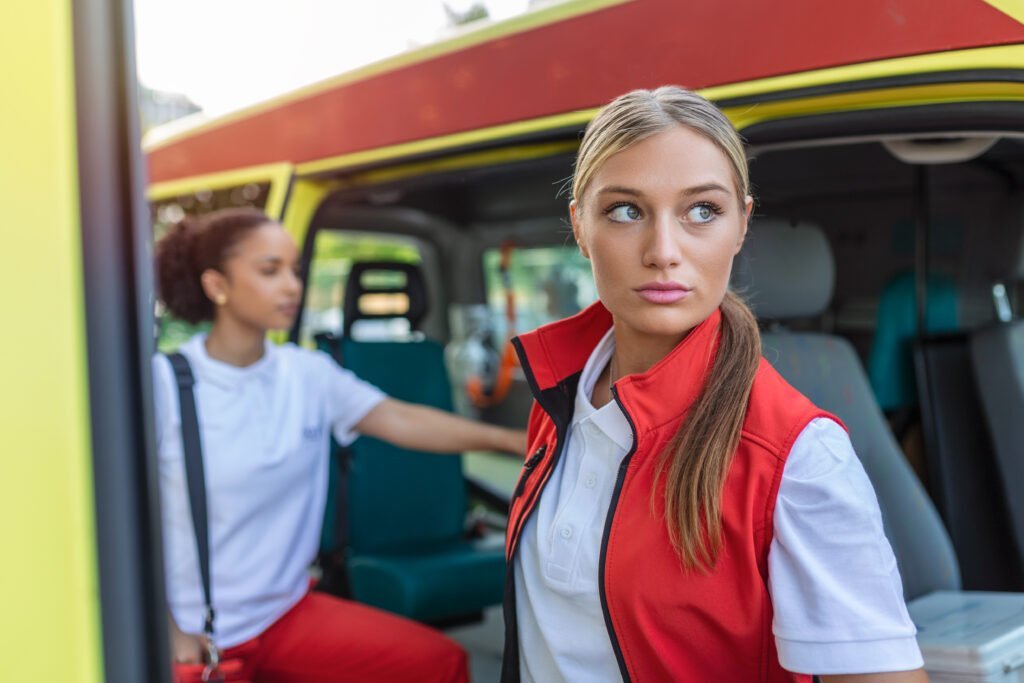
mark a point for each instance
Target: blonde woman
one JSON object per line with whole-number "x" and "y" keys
{"x": 742, "y": 543}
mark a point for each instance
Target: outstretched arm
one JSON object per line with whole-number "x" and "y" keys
{"x": 427, "y": 429}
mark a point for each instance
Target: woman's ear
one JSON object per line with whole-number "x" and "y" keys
{"x": 215, "y": 286}
{"x": 577, "y": 231}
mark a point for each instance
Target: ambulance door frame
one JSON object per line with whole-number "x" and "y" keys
{"x": 118, "y": 307}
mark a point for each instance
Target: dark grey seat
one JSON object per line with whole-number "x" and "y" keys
{"x": 788, "y": 272}
{"x": 963, "y": 476}
{"x": 997, "y": 355}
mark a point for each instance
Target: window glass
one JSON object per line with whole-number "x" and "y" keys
{"x": 549, "y": 283}
{"x": 334, "y": 252}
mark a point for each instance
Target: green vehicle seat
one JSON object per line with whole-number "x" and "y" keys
{"x": 891, "y": 361}
{"x": 401, "y": 522}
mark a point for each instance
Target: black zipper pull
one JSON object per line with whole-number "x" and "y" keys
{"x": 528, "y": 468}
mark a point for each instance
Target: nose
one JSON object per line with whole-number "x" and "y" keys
{"x": 293, "y": 283}
{"x": 662, "y": 248}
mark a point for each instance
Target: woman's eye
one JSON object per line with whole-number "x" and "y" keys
{"x": 624, "y": 213}
{"x": 702, "y": 213}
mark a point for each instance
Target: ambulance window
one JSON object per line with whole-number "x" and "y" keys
{"x": 549, "y": 283}
{"x": 168, "y": 211}
{"x": 334, "y": 252}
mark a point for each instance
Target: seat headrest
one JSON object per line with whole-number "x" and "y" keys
{"x": 785, "y": 270}
{"x": 378, "y": 290}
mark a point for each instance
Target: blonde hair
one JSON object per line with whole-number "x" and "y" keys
{"x": 639, "y": 114}
{"x": 696, "y": 461}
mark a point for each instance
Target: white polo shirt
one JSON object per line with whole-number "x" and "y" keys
{"x": 265, "y": 432}
{"x": 836, "y": 591}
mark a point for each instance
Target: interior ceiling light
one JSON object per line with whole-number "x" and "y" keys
{"x": 943, "y": 150}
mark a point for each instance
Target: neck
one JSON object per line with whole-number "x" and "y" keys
{"x": 234, "y": 344}
{"x": 637, "y": 353}
{"x": 634, "y": 354}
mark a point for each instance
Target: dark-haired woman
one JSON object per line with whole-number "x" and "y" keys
{"x": 266, "y": 414}
{"x": 685, "y": 515}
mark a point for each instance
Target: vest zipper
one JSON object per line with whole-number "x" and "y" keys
{"x": 510, "y": 656}
{"x": 619, "y": 480}
{"x": 528, "y": 470}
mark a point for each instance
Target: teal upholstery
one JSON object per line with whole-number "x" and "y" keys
{"x": 407, "y": 550}
{"x": 891, "y": 361}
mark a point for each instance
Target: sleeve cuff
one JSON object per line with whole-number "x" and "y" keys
{"x": 856, "y": 657}
{"x": 344, "y": 433}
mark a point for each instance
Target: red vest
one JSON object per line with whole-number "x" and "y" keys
{"x": 665, "y": 623}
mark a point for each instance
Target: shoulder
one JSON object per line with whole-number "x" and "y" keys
{"x": 822, "y": 448}
{"x": 163, "y": 375}
{"x": 777, "y": 413}
{"x": 306, "y": 362}
{"x": 165, "y": 397}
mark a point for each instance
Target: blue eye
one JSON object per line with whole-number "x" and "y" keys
{"x": 623, "y": 213}
{"x": 703, "y": 213}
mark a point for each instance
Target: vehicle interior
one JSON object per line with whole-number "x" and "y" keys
{"x": 948, "y": 203}
{"x": 906, "y": 233}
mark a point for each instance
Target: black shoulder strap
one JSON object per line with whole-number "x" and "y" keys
{"x": 194, "y": 475}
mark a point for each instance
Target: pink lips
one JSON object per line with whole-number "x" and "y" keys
{"x": 662, "y": 292}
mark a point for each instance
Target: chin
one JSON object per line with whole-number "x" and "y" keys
{"x": 665, "y": 322}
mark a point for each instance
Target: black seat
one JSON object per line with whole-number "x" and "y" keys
{"x": 997, "y": 354}
{"x": 962, "y": 473}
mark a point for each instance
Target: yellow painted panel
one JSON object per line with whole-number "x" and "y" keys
{"x": 1001, "y": 57}
{"x": 460, "y": 162}
{"x": 275, "y": 174}
{"x": 381, "y": 154}
{"x": 742, "y": 117}
{"x": 1014, "y": 8}
{"x": 50, "y": 621}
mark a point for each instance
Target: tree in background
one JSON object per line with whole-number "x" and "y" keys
{"x": 475, "y": 12}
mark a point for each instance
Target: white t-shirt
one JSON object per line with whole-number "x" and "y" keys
{"x": 265, "y": 432}
{"x": 836, "y": 591}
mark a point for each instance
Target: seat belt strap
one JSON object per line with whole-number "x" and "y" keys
{"x": 195, "y": 477}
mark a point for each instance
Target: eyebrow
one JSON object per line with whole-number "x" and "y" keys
{"x": 696, "y": 189}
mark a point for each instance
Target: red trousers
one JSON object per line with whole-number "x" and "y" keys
{"x": 323, "y": 639}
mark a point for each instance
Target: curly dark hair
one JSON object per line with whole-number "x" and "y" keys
{"x": 191, "y": 247}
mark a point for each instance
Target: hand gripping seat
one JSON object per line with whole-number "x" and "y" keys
{"x": 402, "y": 521}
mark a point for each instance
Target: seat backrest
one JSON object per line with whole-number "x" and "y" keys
{"x": 962, "y": 473}
{"x": 399, "y": 290}
{"x": 398, "y": 499}
{"x": 787, "y": 271}
{"x": 891, "y": 361}
{"x": 997, "y": 354}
